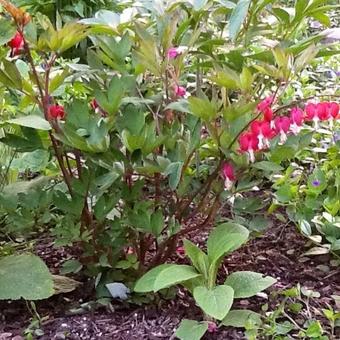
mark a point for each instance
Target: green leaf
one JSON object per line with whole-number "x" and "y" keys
{"x": 305, "y": 228}
{"x": 247, "y": 284}
{"x": 314, "y": 330}
{"x": 191, "y": 330}
{"x": 246, "y": 79}
{"x": 34, "y": 161}
{"x": 238, "y": 15}
{"x": 157, "y": 222}
{"x": 13, "y": 73}
{"x": 306, "y": 57}
{"x": 24, "y": 276}
{"x": 228, "y": 79}
{"x": 181, "y": 105}
{"x": 146, "y": 282}
{"x": 197, "y": 257}
{"x": 226, "y": 238}
{"x": 268, "y": 166}
{"x": 164, "y": 276}
{"x": 173, "y": 275}
{"x": 281, "y": 14}
{"x": 58, "y": 80}
{"x": 282, "y": 328}
{"x": 202, "y": 108}
{"x": 215, "y": 302}
{"x": 240, "y": 318}
{"x": 174, "y": 171}
{"x": 115, "y": 93}
{"x": 71, "y": 34}
{"x": 71, "y": 266}
{"x": 285, "y": 193}
{"x": 131, "y": 119}
{"x": 300, "y": 8}
{"x": 31, "y": 121}
{"x": 7, "y": 30}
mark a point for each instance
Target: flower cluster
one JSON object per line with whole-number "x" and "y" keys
{"x": 325, "y": 111}
{"x": 263, "y": 130}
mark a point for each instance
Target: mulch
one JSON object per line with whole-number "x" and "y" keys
{"x": 279, "y": 253}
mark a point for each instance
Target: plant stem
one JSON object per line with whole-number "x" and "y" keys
{"x": 43, "y": 102}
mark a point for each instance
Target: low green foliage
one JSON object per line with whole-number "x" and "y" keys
{"x": 215, "y": 300}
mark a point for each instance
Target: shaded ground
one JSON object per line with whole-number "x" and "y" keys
{"x": 278, "y": 253}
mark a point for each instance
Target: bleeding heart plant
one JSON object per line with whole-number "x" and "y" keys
{"x": 160, "y": 129}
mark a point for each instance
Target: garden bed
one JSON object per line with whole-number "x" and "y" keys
{"x": 278, "y": 253}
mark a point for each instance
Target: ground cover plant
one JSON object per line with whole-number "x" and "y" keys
{"x": 135, "y": 135}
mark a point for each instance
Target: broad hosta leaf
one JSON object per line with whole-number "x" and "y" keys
{"x": 173, "y": 275}
{"x": 240, "y": 318}
{"x": 191, "y": 329}
{"x": 24, "y": 276}
{"x": 32, "y": 121}
{"x": 215, "y": 302}
{"x": 146, "y": 282}
{"x": 247, "y": 284}
{"x": 226, "y": 238}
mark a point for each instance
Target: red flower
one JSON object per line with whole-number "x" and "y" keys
{"x": 212, "y": 327}
{"x": 263, "y": 132}
{"x": 322, "y": 111}
{"x": 180, "y": 251}
{"x": 249, "y": 143}
{"x": 129, "y": 250}
{"x": 282, "y": 125}
{"x": 265, "y": 104}
{"x": 97, "y": 109}
{"x": 296, "y": 119}
{"x": 56, "y": 112}
{"x": 172, "y": 53}
{"x": 94, "y": 104}
{"x": 229, "y": 175}
{"x": 16, "y": 44}
{"x": 180, "y": 91}
{"x": 332, "y": 112}
{"x": 333, "y": 109}
{"x": 312, "y": 114}
{"x": 268, "y": 114}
